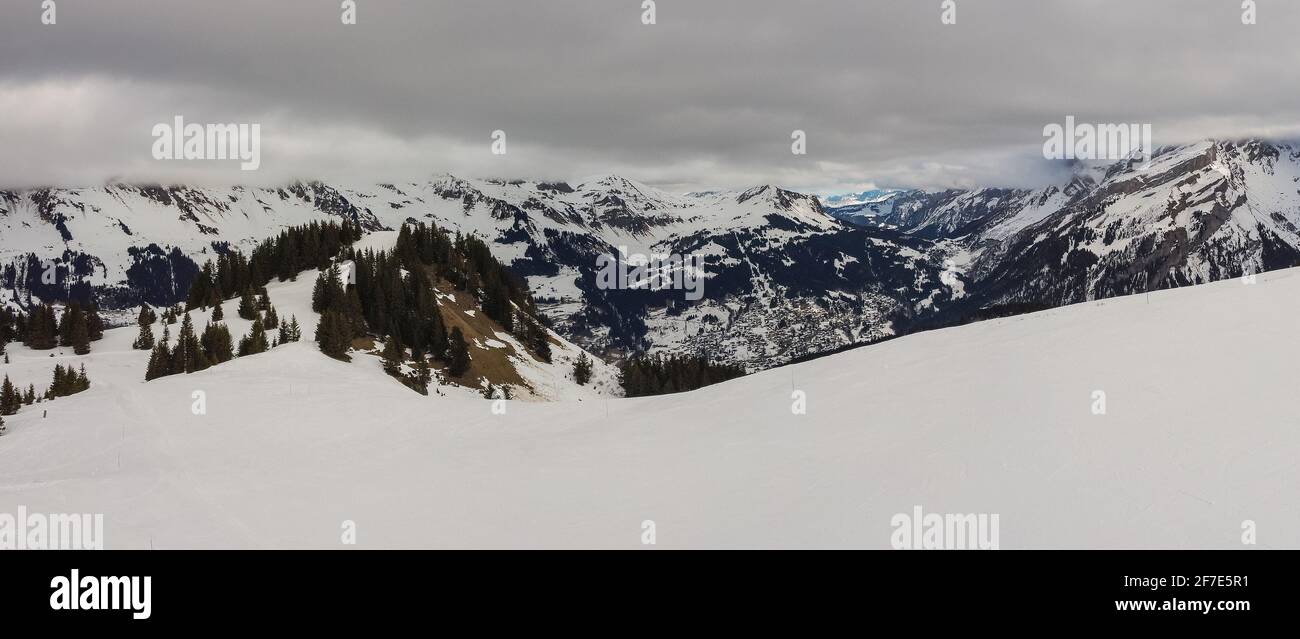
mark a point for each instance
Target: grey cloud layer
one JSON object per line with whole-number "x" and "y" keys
{"x": 707, "y": 97}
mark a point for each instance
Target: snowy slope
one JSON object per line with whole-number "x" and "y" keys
{"x": 992, "y": 417}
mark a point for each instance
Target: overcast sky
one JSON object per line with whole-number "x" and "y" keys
{"x": 706, "y": 97}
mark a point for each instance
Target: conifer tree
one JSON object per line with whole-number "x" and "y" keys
{"x": 30, "y": 397}
{"x": 9, "y": 399}
{"x": 42, "y": 331}
{"x": 582, "y": 369}
{"x": 457, "y": 354}
{"x": 144, "y": 340}
{"x": 438, "y": 343}
{"x": 188, "y": 356}
{"x": 218, "y": 346}
{"x": 255, "y": 341}
{"x": 539, "y": 342}
{"x": 159, "y": 361}
{"x": 82, "y": 381}
{"x": 80, "y": 334}
{"x": 60, "y": 384}
{"x": 272, "y": 319}
{"x": 421, "y": 377}
{"x": 332, "y": 337}
{"x": 94, "y": 323}
{"x": 200, "y": 288}
{"x": 218, "y": 314}
{"x": 290, "y": 331}
{"x": 356, "y": 316}
{"x": 393, "y": 356}
{"x": 247, "y": 305}
{"x": 73, "y": 320}
{"x": 328, "y": 292}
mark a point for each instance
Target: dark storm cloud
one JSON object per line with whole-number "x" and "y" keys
{"x": 707, "y": 97}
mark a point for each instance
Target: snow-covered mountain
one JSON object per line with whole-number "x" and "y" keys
{"x": 1198, "y": 213}
{"x": 786, "y": 276}
{"x": 994, "y": 418}
{"x": 783, "y": 278}
{"x": 871, "y": 196}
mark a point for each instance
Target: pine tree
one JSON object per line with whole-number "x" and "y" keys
{"x": 9, "y": 399}
{"x": 147, "y": 316}
{"x": 247, "y": 305}
{"x": 290, "y": 331}
{"x": 41, "y": 331}
{"x": 61, "y": 385}
{"x": 217, "y": 343}
{"x": 144, "y": 340}
{"x": 80, "y": 334}
{"x": 457, "y": 354}
{"x": 421, "y": 377}
{"x": 255, "y": 341}
{"x": 30, "y": 397}
{"x": 72, "y": 317}
{"x": 200, "y": 288}
{"x": 539, "y": 342}
{"x": 332, "y": 337}
{"x": 355, "y": 313}
{"x": 393, "y": 356}
{"x": 328, "y": 292}
{"x": 94, "y": 323}
{"x": 188, "y": 356}
{"x": 159, "y": 362}
{"x": 82, "y": 381}
{"x": 272, "y": 319}
{"x": 582, "y": 369}
{"x": 217, "y": 313}
{"x": 438, "y": 343}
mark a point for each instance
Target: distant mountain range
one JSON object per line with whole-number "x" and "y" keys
{"x": 788, "y": 275}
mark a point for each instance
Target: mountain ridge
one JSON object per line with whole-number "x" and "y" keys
{"x": 787, "y": 275}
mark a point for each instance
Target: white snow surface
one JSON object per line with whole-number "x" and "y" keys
{"x": 993, "y": 417}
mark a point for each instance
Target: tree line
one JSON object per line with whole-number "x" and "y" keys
{"x": 308, "y": 247}
{"x": 44, "y": 327}
{"x": 643, "y": 375}
{"x": 67, "y": 381}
